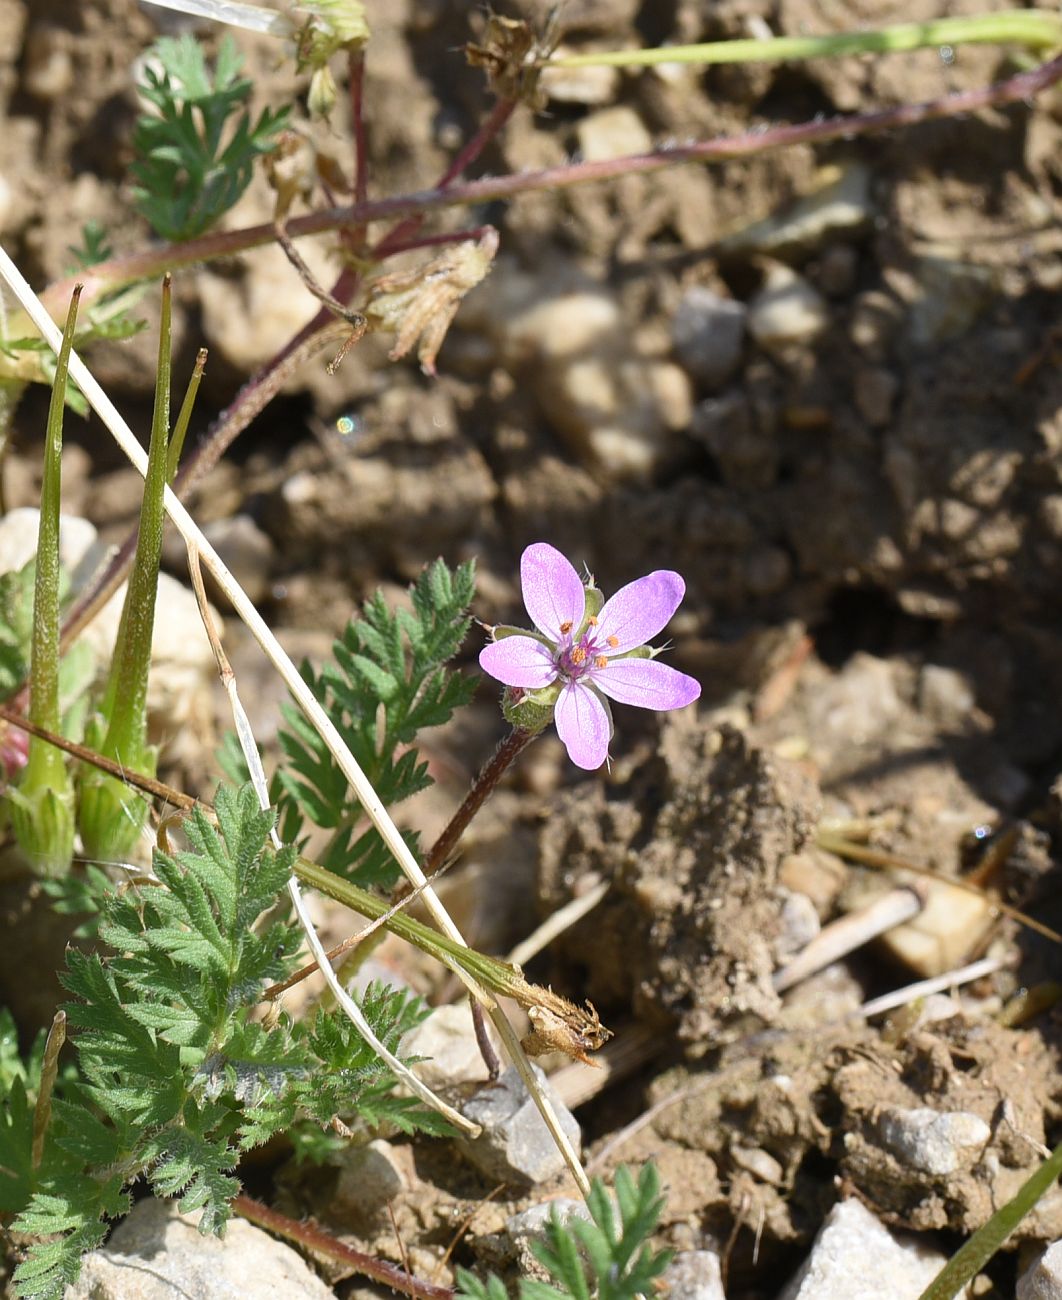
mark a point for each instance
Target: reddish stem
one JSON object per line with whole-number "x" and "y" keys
{"x": 357, "y": 125}
{"x": 109, "y": 275}
{"x": 405, "y": 230}
{"x": 323, "y": 1243}
{"x": 485, "y": 781}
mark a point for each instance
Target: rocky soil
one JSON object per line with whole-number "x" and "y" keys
{"x": 823, "y": 384}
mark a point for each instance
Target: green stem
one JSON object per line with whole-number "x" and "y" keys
{"x": 968, "y": 1261}
{"x": 1034, "y": 28}
{"x": 497, "y": 976}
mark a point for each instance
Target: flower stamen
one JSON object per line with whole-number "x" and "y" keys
{"x": 566, "y": 626}
{"x": 613, "y": 641}
{"x": 578, "y": 655}
{"x": 601, "y": 661}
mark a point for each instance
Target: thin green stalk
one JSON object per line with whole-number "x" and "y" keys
{"x": 968, "y": 1261}
{"x": 184, "y": 417}
{"x": 1033, "y": 28}
{"x": 42, "y": 808}
{"x": 498, "y": 976}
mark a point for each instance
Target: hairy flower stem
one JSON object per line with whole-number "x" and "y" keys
{"x": 485, "y": 781}
{"x": 108, "y": 276}
{"x": 318, "y": 1242}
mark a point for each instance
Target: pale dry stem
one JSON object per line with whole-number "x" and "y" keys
{"x": 315, "y": 714}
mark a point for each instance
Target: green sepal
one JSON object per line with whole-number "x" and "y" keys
{"x": 42, "y": 809}
{"x": 43, "y": 821}
{"x": 531, "y": 710}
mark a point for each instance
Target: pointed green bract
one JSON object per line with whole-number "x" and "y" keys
{"x": 111, "y": 814}
{"x": 42, "y": 807}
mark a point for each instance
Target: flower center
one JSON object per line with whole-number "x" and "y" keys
{"x": 581, "y": 658}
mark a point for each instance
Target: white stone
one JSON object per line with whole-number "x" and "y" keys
{"x": 839, "y": 203}
{"x": 855, "y": 1257}
{"x": 156, "y": 1254}
{"x": 579, "y": 85}
{"x": 447, "y": 1041}
{"x": 694, "y": 1275}
{"x": 933, "y": 1141}
{"x": 786, "y": 311}
{"x": 612, "y": 133}
{"x": 562, "y": 326}
{"x": 1042, "y": 1279}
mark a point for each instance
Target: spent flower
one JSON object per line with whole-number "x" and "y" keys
{"x": 584, "y": 650}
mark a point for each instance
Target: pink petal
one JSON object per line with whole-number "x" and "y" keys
{"x": 647, "y": 683}
{"x": 519, "y": 661}
{"x": 638, "y": 611}
{"x": 583, "y": 725}
{"x": 553, "y": 592}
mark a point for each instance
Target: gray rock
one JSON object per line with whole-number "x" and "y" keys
{"x": 695, "y": 1275}
{"x": 515, "y": 1145}
{"x": 370, "y": 1176}
{"x": 1042, "y": 1279}
{"x": 708, "y": 331}
{"x": 798, "y": 924}
{"x": 933, "y": 1141}
{"x": 156, "y": 1254}
{"x": 531, "y": 1223}
{"x": 523, "y": 1230}
{"x": 855, "y": 1257}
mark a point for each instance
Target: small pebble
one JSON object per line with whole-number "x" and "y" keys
{"x": 694, "y": 1275}
{"x": 933, "y": 1141}
{"x": 370, "y": 1176}
{"x": 708, "y": 332}
{"x": 612, "y": 133}
{"x": 447, "y": 1041}
{"x": 874, "y": 389}
{"x": 840, "y": 202}
{"x": 579, "y": 85}
{"x": 515, "y": 1145}
{"x": 246, "y": 552}
{"x": 786, "y": 311}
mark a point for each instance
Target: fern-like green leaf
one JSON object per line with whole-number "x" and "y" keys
{"x": 196, "y": 152}
{"x": 387, "y": 682}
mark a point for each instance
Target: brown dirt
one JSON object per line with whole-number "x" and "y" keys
{"x": 868, "y": 522}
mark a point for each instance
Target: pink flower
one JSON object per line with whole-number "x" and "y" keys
{"x": 584, "y": 650}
